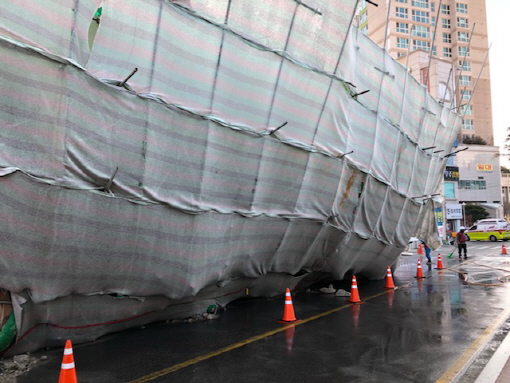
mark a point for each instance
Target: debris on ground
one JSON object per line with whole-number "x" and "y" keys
{"x": 343, "y": 293}
{"x": 15, "y": 366}
{"x": 328, "y": 290}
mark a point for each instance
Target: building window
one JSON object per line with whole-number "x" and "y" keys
{"x": 421, "y": 31}
{"x": 465, "y": 80}
{"x": 463, "y": 51}
{"x": 446, "y": 23}
{"x": 432, "y": 7}
{"x": 401, "y": 1}
{"x": 461, "y": 8}
{"x": 420, "y": 44}
{"x": 403, "y": 27}
{"x": 433, "y": 21}
{"x": 445, "y": 9}
{"x": 447, "y": 38}
{"x": 465, "y": 66}
{"x": 463, "y": 37}
{"x": 434, "y": 51}
{"x": 402, "y": 43}
{"x": 401, "y": 12}
{"x": 467, "y": 110}
{"x": 420, "y": 3}
{"x": 462, "y": 22}
{"x": 466, "y": 95}
{"x": 472, "y": 185}
{"x": 400, "y": 54}
{"x": 468, "y": 125}
{"x": 449, "y": 190}
{"x": 420, "y": 16}
{"x": 447, "y": 52}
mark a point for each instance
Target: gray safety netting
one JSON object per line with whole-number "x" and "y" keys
{"x": 242, "y": 157}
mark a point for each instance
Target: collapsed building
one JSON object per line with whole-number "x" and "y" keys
{"x": 159, "y": 157}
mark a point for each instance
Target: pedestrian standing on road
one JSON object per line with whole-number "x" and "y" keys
{"x": 461, "y": 240}
{"x": 427, "y": 252}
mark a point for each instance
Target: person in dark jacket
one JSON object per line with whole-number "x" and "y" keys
{"x": 427, "y": 252}
{"x": 461, "y": 240}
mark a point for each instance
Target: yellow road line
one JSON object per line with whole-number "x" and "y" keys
{"x": 460, "y": 364}
{"x": 175, "y": 367}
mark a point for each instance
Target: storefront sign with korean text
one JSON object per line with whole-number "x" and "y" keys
{"x": 484, "y": 167}
{"x": 453, "y": 211}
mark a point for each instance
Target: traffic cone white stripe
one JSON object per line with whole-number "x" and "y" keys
{"x": 67, "y": 366}
{"x": 288, "y": 302}
{"x": 354, "y": 287}
{"x": 68, "y": 351}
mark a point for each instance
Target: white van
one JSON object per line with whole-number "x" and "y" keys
{"x": 491, "y": 229}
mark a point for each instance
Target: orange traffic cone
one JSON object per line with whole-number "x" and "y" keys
{"x": 389, "y": 280}
{"x": 288, "y": 309}
{"x": 67, "y": 371}
{"x": 419, "y": 271}
{"x": 503, "y": 249}
{"x": 439, "y": 262}
{"x": 420, "y": 249}
{"x": 354, "y": 291}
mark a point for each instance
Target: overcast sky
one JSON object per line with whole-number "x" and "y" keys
{"x": 498, "y": 20}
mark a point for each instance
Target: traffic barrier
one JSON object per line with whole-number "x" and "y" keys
{"x": 420, "y": 249}
{"x": 389, "y": 280}
{"x": 439, "y": 262}
{"x": 354, "y": 291}
{"x": 503, "y": 249}
{"x": 419, "y": 271}
{"x": 288, "y": 309}
{"x": 67, "y": 370}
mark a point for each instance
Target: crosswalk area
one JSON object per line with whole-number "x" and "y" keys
{"x": 493, "y": 247}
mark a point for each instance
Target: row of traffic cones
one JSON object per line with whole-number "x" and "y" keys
{"x": 419, "y": 270}
{"x": 288, "y": 310}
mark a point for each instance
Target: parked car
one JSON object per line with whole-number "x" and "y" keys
{"x": 489, "y": 230}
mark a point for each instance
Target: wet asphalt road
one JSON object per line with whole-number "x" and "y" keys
{"x": 412, "y": 334}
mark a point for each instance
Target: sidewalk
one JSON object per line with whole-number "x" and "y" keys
{"x": 497, "y": 370}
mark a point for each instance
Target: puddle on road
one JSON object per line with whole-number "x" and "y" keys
{"x": 489, "y": 271}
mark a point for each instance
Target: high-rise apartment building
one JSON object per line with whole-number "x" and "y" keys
{"x": 460, "y": 43}
{"x": 453, "y": 59}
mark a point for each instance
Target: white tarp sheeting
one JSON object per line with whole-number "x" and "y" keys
{"x": 124, "y": 202}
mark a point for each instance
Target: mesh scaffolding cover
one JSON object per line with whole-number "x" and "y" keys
{"x": 239, "y": 155}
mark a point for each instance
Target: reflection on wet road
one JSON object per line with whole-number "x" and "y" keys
{"x": 426, "y": 330}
